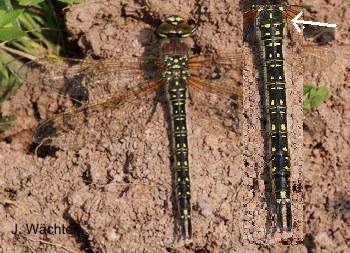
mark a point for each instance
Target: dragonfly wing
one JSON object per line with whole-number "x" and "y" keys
{"x": 66, "y": 76}
{"x": 216, "y": 87}
{"x": 101, "y": 68}
{"x": 68, "y": 129}
{"x": 248, "y": 23}
{"x": 292, "y": 11}
{"x": 218, "y": 91}
{"x": 233, "y": 59}
{"x": 317, "y": 58}
{"x": 218, "y": 75}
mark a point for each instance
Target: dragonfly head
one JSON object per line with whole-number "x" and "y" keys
{"x": 174, "y": 26}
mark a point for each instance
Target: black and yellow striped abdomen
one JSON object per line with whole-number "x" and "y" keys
{"x": 176, "y": 74}
{"x": 271, "y": 26}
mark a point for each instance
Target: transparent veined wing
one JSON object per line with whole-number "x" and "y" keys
{"x": 216, "y": 86}
{"x": 320, "y": 67}
{"x": 54, "y": 131}
{"x": 316, "y": 58}
{"x": 94, "y": 90}
{"x": 104, "y": 74}
{"x": 91, "y": 85}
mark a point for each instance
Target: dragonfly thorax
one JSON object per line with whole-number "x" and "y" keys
{"x": 176, "y": 67}
{"x": 174, "y": 47}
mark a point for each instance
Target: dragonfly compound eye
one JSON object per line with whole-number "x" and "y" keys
{"x": 174, "y": 27}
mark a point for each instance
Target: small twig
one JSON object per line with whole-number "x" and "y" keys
{"x": 49, "y": 243}
{"x": 17, "y": 52}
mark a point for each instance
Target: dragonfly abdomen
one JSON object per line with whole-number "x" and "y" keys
{"x": 271, "y": 25}
{"x": 176, "y": 74}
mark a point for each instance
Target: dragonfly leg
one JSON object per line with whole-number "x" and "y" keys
{"x": 155, "y": 104}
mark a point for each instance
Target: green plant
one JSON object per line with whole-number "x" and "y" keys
{"x": 29, "y": 30}
{"x": 314, "y": 96}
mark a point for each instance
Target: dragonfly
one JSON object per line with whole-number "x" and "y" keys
{"x": 270, "y": 25}
{"x": 93, "y": 91}
{"x": 91, "y": 96}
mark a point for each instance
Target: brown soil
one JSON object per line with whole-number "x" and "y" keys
{"x": 116, "y": 190}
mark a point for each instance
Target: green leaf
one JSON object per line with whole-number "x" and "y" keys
{"x": 11, "y": 33}
{"x": 308, "y": 88}
{"x": 7, "y": 17}
{"x": 6, "y": 122}
{"x": 74, "y": 1}
{"x": 6, "y": 5}
{"x": 319, "y": 96}
{"x": 348, "y": 1}
{"x": 8, "y": 88}
{"x": 29, "y": 2}
{"x": 314, "y": 96}
{"x": 307, "y": 105}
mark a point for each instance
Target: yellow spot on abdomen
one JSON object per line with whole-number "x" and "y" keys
{"x": 283, "y": 195}
{"x": 283, "y": 127}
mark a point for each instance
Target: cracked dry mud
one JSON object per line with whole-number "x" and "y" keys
{"x": 117, "y": 193}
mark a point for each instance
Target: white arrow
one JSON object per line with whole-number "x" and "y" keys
{"x": 296, "y": 22}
